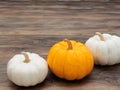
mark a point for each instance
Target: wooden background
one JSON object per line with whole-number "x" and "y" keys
{"x": 35, "y": 25}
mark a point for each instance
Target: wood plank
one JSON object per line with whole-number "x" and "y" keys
{"x": 57, "y": 16}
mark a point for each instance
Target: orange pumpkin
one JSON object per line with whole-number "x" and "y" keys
{"x": 70, "y": 60}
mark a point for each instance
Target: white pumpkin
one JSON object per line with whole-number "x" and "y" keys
{"x": 105, "y": 48}
{"x": 27, "y": 69}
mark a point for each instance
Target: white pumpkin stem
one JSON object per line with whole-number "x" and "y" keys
{"x": 27, "y": 60}
{"x": 100, "y": 36}
{"x": 69, "y": 44}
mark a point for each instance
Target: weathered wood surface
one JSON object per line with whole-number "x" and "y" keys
{"x": 35, "y": 25}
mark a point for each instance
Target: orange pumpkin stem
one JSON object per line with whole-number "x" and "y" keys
{"x": 69, "y": 44}
{"x": 27, "y": 60}
{"x": 100, "y": 36}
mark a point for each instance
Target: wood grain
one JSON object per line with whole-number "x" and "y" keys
{"x": 35, "y": 25}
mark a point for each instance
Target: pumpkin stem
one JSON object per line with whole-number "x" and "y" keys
{"x": 69, "y": 44}
{"x": 100, "y": 36}
{"x": 27, "y": 60}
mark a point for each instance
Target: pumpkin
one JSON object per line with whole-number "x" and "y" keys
{"x": 27, "y": 69}
{"x": 105, "y": 48}
{"x": 70, "y": 60}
